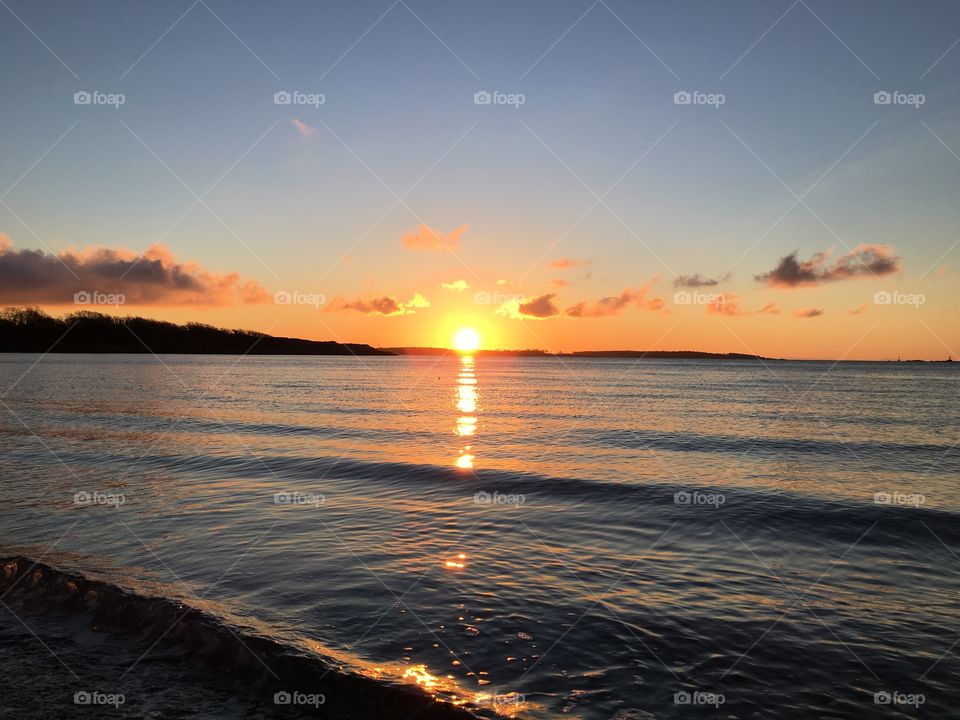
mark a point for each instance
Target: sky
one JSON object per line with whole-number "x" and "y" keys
{"x": 765, "y": 177}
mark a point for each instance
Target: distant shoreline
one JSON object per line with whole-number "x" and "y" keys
{"x": 29, "y": 330}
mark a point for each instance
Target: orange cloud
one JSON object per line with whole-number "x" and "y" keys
{"x": 302, "y": 128}
{"x": 566, "y": 263}
{"x": 769, "y": 309}
{"x": 726, "y": 304}
{"x": 458, "y": 285}
{"x": 154, "y": 277}
{"x": 808, "y": 313}
{"x": 430, "y": 240}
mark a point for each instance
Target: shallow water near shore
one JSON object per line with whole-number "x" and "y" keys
{"x": 534, "y": 537}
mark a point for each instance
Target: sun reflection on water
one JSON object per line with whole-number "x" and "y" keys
{"x": 466, "y": 400}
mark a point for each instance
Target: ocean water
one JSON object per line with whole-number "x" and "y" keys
{"x": 522, "y": 537}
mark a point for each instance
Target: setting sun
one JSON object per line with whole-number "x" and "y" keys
{"x": 466, "y": 340}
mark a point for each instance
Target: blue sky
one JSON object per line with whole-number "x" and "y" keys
{"x": 705, "y": 184}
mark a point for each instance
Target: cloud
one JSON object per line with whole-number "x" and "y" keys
{"x": 154, "y": 277}
{"x": 604, "y": 307}
{"x": 857, "y": 310}
{"x": 386, "y": 305}
{"x": 566, "y": 263}
{"x": 431, "y": 240}
{"x": 537, "y": 308}
{"x": 726, "y": 304}
{"x": 769, "y": 309}
{"x": 698, "y": 281}
{"x": 808, "y": 313}
{"x": 302, "y": 128}
{"x": 458, "y": 285}
{"x": 559, "y": 282}
{"x": 864, "y": 260}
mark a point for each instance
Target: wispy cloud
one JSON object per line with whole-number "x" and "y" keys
{"x": 863, "y": 261}
{"x": 699, "y": 281}
{"x": 545, "y": 306}
{"x": 154, "y": 277}
{"x": 769, "y": 309}
{"x": 457, "y": 285}
{"x": 808, "y": 313}
{"x": 427, "y": 239}
{"x": 302, "y": 128}
{"x": 857, "y": 310}
{"x": 566, "y": 263}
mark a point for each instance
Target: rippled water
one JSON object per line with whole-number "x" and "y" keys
{"x": 542, "y": 537}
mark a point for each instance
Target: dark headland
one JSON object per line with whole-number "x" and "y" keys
{"x": 30, "y": 330}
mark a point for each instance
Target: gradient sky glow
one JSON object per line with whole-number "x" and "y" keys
{"x": 399, "y": 183}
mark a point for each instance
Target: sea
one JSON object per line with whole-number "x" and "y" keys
{"x": 456, "y": 536}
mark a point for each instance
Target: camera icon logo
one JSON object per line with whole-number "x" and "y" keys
{"x": 682, "y": 98}
{"x": 281, "y": 298}
{"x": 882, "y": 97}
{"x": 682, "y": 698}
{"x": 82, "y": 97}
{"x": 882, "y": 698}
{"x": 282, "y": 97}
{"x": 282, "y": 698}
{"x": 882, "y": 297}
{"x": 682, "y": 298}
{"x": 482, "y": 97}
{"x": 882, "y": 498}
{"x": 81, "y": 298}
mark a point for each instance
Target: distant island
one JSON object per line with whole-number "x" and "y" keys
{"x": 30, "y": 330}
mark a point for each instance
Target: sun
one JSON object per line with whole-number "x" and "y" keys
{"x": 466, "y": 340}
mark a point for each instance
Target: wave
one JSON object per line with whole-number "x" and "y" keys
{"x": 251, "y": 661}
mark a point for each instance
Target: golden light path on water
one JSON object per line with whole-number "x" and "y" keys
{"x": 466, "y": 400}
